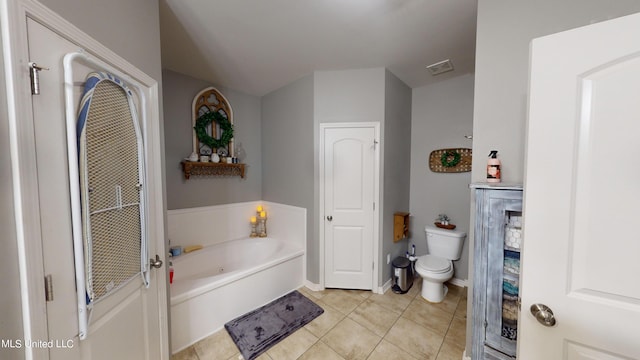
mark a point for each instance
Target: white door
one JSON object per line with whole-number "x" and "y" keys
{"x": 349, "y": 183}
{"x": 582, "y": 194}
{"x": 126, "y": 324}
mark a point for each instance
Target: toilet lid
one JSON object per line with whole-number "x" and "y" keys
{"x": 434, "y": 264}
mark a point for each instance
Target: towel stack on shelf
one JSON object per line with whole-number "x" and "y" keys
{"x": 510, "y": 292}
{"x": 511, "y": 262}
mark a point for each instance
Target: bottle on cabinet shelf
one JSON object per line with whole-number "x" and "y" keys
{"x": 493, "y": 167}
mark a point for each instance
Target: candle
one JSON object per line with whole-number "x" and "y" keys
{"x": 263, "y": 214}
{"x": 259, "y": 209}
{"x": 253, "y": 220}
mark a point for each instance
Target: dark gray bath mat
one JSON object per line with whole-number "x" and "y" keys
{"x": 260, "y": 329}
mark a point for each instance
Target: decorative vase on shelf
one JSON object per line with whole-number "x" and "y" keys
{"x": 215, "y": 158}
{"x": 193, "y": 156}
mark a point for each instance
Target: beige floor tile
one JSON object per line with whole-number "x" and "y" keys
{"x": 456, "y": 290}
{"x": 320, "y": 351}
{"x": 344, "y": 301}
{"x": 216, "y": 346}
{"x": 450, "y": 302}
{"x": 363, "y": 293}
{"x": 428, "y": 315}
{"x": 457, "y": 332}
{"x": 461, "y": 309}
{"x": 352, "y": 325}
{"x": 262, "y": 356}
{"x": 392, "y": 301}
{"x": 450, "y": 352}
{"x": 387, "y": 351}
{"x": 186, "y": 354}
{"x": 325, "y": 322}
{"x": 351, "y": 340}
{"x": 416, "y": 288}
{"x": 374, "y": 317}
{"x": 417, "y": 340}
{"x": 293, "y": 346}
{"x": 312, "y": 294}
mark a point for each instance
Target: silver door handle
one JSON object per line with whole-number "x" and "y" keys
{"x": 157, "y": 263}
{"x": 329, "y": 217}
{"x": 543, "y": 314}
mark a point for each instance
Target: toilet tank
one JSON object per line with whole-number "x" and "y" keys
{"x": 444, "y": 243}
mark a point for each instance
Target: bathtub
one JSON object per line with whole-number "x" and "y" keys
{"x": 220, "y": 282}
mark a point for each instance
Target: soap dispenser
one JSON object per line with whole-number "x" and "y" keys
{"x": 493, "y": 167}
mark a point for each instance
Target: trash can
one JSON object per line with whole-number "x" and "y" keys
{"x": 402, "y": 275}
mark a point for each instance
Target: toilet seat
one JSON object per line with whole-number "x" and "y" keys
{"x": 433, "y": 264}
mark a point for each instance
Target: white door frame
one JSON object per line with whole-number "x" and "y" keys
{"x": 376, "y": 197}
{"x": 13, "y": 14}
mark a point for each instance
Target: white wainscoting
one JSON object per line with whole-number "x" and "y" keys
{"x": 211, "y": 225}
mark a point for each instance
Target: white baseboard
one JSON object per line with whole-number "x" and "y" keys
{"x": 464, "y": 355}
{"x": 317, "y": 287}
{"x": 313, "y": 286}
{"x": 386, "y": 286}
{"x": 459, "y": 282}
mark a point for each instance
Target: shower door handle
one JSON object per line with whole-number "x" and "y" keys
{"x": 155, "y": 263}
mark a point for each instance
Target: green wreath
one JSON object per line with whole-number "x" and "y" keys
{"x": 444, "y": 159}
{"x": 201, "y": 129}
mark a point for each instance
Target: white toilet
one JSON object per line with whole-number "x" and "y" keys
{"x": 435, "y": 268}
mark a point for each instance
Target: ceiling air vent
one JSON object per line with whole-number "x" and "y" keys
{"x": 440, "y": 67}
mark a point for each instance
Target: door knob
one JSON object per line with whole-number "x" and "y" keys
{"x": 543, "y": 314}
{"x": 329, "y": 217}
{"x": 157, "y": 263}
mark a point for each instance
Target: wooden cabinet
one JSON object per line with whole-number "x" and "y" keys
{"x": 400, "y": 226}
{"x": 497, "y": 244}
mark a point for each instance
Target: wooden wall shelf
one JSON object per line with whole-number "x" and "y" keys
{"x": 400, "y": 226}
{"x": 196, "y": 168}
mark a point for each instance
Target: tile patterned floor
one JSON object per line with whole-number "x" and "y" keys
{"x": 362, "y": 325}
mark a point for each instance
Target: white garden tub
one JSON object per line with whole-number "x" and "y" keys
{"x": 223, "y": 281}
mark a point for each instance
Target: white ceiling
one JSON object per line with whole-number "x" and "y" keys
{"x": 257, "y": 46}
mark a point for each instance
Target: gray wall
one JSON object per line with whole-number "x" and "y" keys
{"x": 129, "y": 28}
{"x": 505, "y": 29}
{"x": 135, "y": 37}
{"x": 11, "y": 314}
{"x": 287, "y": 155}
{"x": 371, "y": 95}
{"x": 442, "y": 114}
{"x": 396, "y": 142}
{"x": 179, "y": 91}
{"x": 347, "y": 96}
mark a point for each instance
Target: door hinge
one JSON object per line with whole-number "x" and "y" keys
{"x": 34, "y": 74}
{"x": 485, "y": 324}
{"x": 374, "y": 206}
{"x": 48, "y": 287}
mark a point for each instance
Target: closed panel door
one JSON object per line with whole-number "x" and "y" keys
{"x": 348, "y": 198}
{"x": 580, "y": 260}
{"x": 127, "y": 323}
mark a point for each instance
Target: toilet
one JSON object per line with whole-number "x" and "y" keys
{"x": 435, "y": 268}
